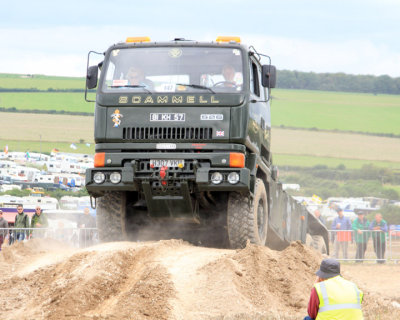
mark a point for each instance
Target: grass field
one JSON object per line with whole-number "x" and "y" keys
{"x": 358, "y": 112}
{"x": 290, "y": 108}
{"x": 46, "y": 127}
{"x": 40, "y": 82}
{"x": 45, "y": 146}
{"x": 336, "y": 111}
{"x": 68, "y": 101}
{"x": 290, "y": 147}
{"x": 335, "y": 145}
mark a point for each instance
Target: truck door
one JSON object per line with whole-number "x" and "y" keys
{"x": 258, "y": 118}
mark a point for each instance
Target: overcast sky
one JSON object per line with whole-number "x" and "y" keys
{"x": 351, "y": 36}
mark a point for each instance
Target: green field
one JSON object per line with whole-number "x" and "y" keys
{"x": 45, "y": 146}
{"x": 327, "y": 111}
{"x": 336, "y": 111}
{"x": 40, "y": 82}
{"x": 357, "y": 112}
{"x": 67, "y": 101}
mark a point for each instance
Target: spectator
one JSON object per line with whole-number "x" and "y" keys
{"x": 333, "y": 297}
{"x": 21, "y": 221}
{"x": 39, "y": 220}
{"x": 317, "y": 214}
{"x": 342, "y": 229}
{"x": 86, "y": 223}
{"x": 3, "y": 229}
{"x": 379, "y": 237}
{"x": 361, "y": 235}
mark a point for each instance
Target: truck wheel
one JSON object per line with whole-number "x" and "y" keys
{"x": 248, "y": 219}
{"x": 318, "y": 243}
{"x": 111, "y": 216}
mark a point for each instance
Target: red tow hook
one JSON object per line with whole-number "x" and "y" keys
{"x": 163, "y": 172}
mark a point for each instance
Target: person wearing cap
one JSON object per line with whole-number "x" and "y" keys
{"x": 332, "y": 296}
{"x": 3, "y": 229}
{"x": 361, "y": 235}
{"x": 380, "y": 228}
{"x": 341, "y": 227}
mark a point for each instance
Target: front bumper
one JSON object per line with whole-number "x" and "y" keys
{"x": 195, "y": 176}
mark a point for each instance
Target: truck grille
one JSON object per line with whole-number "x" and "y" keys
{"x": 160, "y": 133}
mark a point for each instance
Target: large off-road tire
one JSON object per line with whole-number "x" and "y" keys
{"x": 248, "y": 218}
{"x": 111, "y": 216}
{"x": 318, "y": 243}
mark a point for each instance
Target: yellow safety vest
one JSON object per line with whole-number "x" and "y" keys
{"x": 339, "y": 299}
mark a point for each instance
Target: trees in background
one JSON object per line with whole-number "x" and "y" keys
{"x": 337, "y": 82}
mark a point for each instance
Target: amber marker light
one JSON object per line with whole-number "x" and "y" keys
{"x": 99, "y": 159}
{"x": 228, "y": 39}
{"x": 236, "y": 160}
{"x": 137, "y": 39}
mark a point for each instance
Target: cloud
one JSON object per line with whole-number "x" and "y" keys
{"x": 352, "y": 57}
{"x": 63, "y": 50}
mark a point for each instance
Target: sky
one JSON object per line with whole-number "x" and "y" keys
{"x": 350, "y": 36}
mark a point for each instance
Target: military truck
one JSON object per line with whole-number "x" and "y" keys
{"x": 183, "y": 133}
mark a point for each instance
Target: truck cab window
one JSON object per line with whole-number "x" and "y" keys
{"x": 261, "y": 88}
{"x": 179, "y": 69}
{"x": 254, "y": 79}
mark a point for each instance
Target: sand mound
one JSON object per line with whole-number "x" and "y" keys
{"x": 156, "y": 280}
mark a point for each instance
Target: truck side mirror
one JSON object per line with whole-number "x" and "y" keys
{"x": 268, "y": 76}
{"x": 91, "y": 77}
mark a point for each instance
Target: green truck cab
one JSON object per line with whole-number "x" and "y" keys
{"x": 182, "y": 133}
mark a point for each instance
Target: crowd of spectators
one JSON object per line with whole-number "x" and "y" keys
{"x": 343, "y": 232}
{"x": 38, "y": 227}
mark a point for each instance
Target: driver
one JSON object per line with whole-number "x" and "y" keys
{"x": 135, "y": 77}
{"x": 228, "y": 72}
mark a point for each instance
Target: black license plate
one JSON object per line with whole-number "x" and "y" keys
{"x": 167, "y": 117}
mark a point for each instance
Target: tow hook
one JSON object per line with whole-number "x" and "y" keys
{"x": 163, "y": 173}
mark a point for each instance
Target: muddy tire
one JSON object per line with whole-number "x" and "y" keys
{"x": 111, "y": 216}
{"x": 247, "y": 218}
{"x": 318, "y": 243}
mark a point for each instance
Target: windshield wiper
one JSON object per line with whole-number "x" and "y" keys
{"x": 133, "y": 86}
{"x": 196, "y": 86}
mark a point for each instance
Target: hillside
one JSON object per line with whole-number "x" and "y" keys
{"x": 325, "y": 122}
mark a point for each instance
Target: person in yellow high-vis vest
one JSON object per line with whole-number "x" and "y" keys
{"x": 333, "y": 297}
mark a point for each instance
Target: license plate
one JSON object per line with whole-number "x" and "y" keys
{"x": 167, "y": 163}
{"x": 167, "y": 117}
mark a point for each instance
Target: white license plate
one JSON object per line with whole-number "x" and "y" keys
{"x": 167, "y": 163}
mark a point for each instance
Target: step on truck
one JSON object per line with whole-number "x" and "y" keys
{"x": 183, "y": 134}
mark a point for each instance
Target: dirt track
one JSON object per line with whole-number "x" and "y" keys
{"x": 43, "y": 279}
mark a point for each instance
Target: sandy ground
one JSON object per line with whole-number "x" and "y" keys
{"x": 44, "y": 279}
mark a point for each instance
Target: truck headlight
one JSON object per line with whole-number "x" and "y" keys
{"x": 233, "y": 178}
{"x": 99, "y": 177}
{"x": 115, "y": 177}
{"x": 216, "y": 178}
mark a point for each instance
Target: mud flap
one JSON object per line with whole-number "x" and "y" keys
{"x": 288, "y": 218}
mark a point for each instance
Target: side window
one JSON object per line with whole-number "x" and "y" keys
{"x": 261, "y": 88}
{"x": 254, "y": 79}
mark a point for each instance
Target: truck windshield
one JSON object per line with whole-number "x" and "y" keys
{"x": 174, "y": 69}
